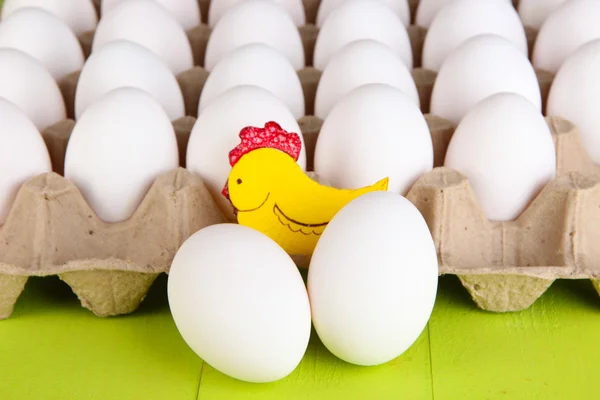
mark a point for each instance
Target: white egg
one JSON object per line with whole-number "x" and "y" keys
{"x": 462, "y": 19}
{"x": 375, "y": 131}
{"x": 218, "y": 8}
{"x": 216, "y": 133}
{"x": 478, "y": 68}
{"x": 23, "y": 154}
{"x": 45, "y": 37}
{"x": 352, "y": 21}
{"x": 372, "y": 280}
{"x": 575, "y": 95}
{"x": 29, "y": 85}
{"x": 255, "y": 21}
{"x": 259, "y": 65}
{"x": 359, "y": 63}
{"x": 555, "y": 42}
{"x": 124, "y": 63}
{"x": 400, "y": 8}
{"x": 186, "y": 12}
{"x": 239, "y": 301}
{"x": 504, "y": 147}
{"x": 80, "y": 15}
{"x": 428, "y": 9}
{"x": 150, "y": 25}
{"x": 118, "y": 147}
{"x": 534, "y": 12}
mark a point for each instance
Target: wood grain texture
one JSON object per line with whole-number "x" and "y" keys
{"x": 548, "y": 351}
{"x": 323, "y": 376}
{"x": 53, "y": 349}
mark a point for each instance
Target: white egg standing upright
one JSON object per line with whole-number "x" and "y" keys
{"x": 150, "y": 25}
{"x": 462, "y": 19}
{"x": 259, "y": 65}
{"x": 29, "y": 86}
{"x": 478, "y": 68}
{"x": 45, "y": 37}
{"x": 255, "y": 21}
{"x": 239, "y": 302}
{"x": 372, "y": 280}
{"x": 359, "y": 63}
{"x": 428, "y": 9}
{"x": 352, "y": 21}
{"x": 123, "y": 63}
{"x": 23, "y": 154}
{"x": 575, "y": 95}
{"x": 375, "y": 131}
{"x": 118, "y": 147}
{"x": 504, "y": 147}
{"x": 80, "y": 15}
{"x": 218, "y": 8}
{"x": 534, "y": 12}
{"x": 400, "y": 7}
{"x": 216, "y": 133}
{"x": 186, "y": 12}
{"x": 569, "y": 26}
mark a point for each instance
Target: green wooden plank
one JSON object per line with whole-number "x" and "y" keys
{"x": 549, "y": 351}
{"x": 52, "y": 348}
{"x": 322, "y": 376}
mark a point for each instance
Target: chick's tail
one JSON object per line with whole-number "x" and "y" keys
{"x": 381, "y": 185}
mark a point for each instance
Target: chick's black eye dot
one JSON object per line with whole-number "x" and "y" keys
{"x": 239, "y": 181}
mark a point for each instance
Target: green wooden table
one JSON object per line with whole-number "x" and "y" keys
{"x": 51, "y": 348}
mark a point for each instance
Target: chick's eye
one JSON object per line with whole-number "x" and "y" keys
{"x": 239, "y": 181}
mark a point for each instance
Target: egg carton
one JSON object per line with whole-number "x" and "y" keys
{"x": 51, "y": 230}
{"x": 505, "y": 266}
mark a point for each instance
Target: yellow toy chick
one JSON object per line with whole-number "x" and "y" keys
{"x": 272, "y": 194}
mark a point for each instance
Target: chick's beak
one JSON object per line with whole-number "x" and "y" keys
{"x": 225, "y": 191}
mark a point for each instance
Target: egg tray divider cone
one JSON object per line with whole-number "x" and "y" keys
{"x": 51, "y": 230}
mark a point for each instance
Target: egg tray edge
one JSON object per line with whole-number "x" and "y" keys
{"x": 51, "y": 230}
{"x": 505, "y": 266}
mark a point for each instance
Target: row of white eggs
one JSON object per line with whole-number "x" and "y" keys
{"x": 418, "y": 158}
{"x": 170, "y": 103}
{"x": 29, "y": 29}
{"x": 125, "y": 140}
{"x": 467, "y": 76}
{"x": 81, "y": 15}
{"x": 351, "y": 65}
{"x": 242, "y": 22}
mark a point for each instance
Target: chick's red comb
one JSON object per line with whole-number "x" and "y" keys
{"x": 271, "y": 136}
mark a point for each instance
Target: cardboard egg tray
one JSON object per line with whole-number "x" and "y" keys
{"x": 505, "y": 266}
